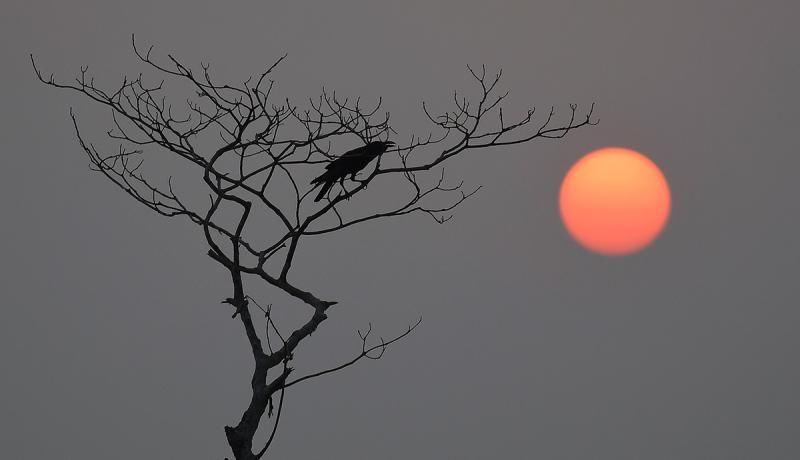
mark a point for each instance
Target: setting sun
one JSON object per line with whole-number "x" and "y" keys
{"x": 614, "y": 201}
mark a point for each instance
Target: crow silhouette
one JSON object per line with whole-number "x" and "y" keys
{"x": 349, "y": 164}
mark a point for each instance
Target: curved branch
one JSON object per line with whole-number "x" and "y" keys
{"x": 365, "y": 353}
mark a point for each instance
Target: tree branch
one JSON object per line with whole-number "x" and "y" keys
{"x": 260, "y": 166}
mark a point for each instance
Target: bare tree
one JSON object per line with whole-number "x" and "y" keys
{"x": 264, "y": 151}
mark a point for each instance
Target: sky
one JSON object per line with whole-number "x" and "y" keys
{"x": 114, "y": 344}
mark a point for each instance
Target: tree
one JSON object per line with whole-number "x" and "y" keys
{"x": 254, "y": 152}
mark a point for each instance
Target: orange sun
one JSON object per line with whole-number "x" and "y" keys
{"x": 614, "y": 201}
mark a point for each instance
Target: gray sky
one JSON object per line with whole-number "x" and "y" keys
{"x": 114, "y": 344}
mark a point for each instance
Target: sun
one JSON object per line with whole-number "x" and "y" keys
{"x": 614, "y": 201}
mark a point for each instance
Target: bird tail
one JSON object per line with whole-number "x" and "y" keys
{"x": 325, "y": 187}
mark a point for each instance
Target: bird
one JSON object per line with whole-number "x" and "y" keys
{"x": 350, "y": 163}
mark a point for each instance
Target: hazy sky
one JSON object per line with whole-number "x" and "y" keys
{"x": 114, "y": 344}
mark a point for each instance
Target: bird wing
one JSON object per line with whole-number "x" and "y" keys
{"x": 348, "y": 157}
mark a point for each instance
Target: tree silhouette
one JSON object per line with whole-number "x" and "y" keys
{"x": 261, "y": 159}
